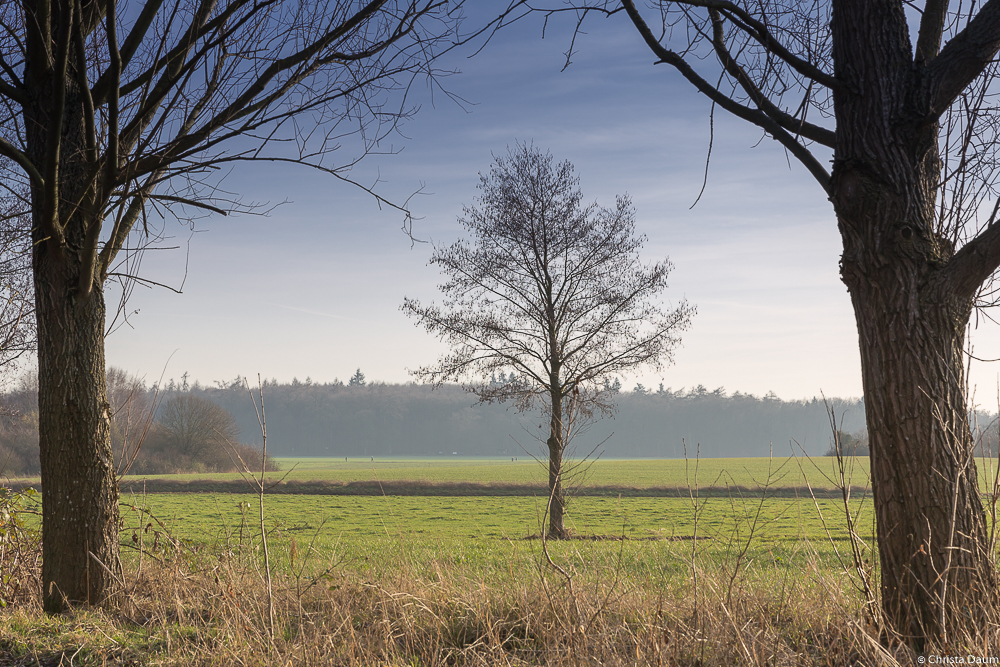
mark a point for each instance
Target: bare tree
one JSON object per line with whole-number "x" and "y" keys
{"x": 194, "y": 424}
{"x": 17, "y": 299}
{"x": 912, "y": 129}
{"x": 553, "y": 291}
{"x": 194, "y": 434}
{"x": 113, "y": 115}
{"x": 132, "y": 410}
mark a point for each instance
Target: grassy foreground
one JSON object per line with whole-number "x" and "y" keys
{"x": 216, "y": 611}
{"x": 668, "y": 602}
{"x": 466, "y": 581}
{"x": 369, "y": 533}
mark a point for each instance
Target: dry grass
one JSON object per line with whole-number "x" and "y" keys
{"x": 211, "y": 609}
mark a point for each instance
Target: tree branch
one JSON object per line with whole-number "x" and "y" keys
{"x": 245, "y": 101}
{"x": 759, "y": 32}
{"x": 931, "y": 28}
{"x": 123, "y": 225}
{"x": 50, "y": 198}
{"x": 175, "y": 64}
{"x": 92, "y": 219}
{"x": 189, "y": 202}
{"x": 757, "y": 117}
{"x": 973, "y": 264}
{"x": 785, "y": 120}
{"x": 90, "y": 17}
{"x": 88, "y": 102}
{"x": 16, "y": 82}
{"x": 8, "y": 150}
{"x": 147, "y": 281}
{"x": 102, "y": 87}
{"x": 962, "y": 59}
{"x": 115, "y": 72}
{"x": 40, "y": 48}
{"x": 12, "y": 93}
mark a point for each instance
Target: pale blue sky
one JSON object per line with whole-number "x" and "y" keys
{"x": 314, "y": 289}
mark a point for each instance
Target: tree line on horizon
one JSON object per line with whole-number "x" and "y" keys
{"x": 338, "y": 419}
{"x": 362, "y": 418}
{"x": 381, "y": 419}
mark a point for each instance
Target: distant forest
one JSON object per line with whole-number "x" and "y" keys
{"x": 375, "y": 419}
{"x": 390, "y": 420}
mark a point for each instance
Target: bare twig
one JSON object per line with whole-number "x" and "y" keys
{"x": 262, "y": 422}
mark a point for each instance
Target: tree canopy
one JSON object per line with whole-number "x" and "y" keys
{"x": 546, "y": 283}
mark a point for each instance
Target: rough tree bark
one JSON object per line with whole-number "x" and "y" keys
{"x": 911, "y": 316}
{"x": 79, "y": 491}
{"x": 557, "y": 499}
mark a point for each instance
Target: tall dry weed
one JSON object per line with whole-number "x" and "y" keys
{"x": 201, "y": 608}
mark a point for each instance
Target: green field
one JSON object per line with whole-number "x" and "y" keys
{"x": 673, "y": 473}
{"x": 377, "y": 535}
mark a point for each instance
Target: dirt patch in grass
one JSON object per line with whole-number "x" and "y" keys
{"x": 623, "y": 538}
{"x": 421, "y": 488}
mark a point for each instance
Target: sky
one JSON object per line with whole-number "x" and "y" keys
{"x": 313, "y": 289}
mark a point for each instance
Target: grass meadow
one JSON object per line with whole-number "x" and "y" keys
{"x": 747, "y": 567}
{"x": 763, "y": 504}
{"x": 787, "y": 472}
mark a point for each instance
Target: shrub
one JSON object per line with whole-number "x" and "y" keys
{"x": 193, "y": 434}
{"x": 19, "y": 444}
{"x": 851, "y": 444}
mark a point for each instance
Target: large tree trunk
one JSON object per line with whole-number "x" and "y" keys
{"x": 557, "y": 501}
{"x": 80, "y": 517}
{"x": 936, "y": 570}
{"x": 79, "y": 489}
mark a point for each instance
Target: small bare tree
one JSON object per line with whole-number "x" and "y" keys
{"x": 553, "y": 291}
